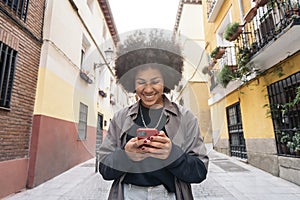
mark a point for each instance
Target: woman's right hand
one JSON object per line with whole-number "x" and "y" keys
{"x": 134, "y": 149}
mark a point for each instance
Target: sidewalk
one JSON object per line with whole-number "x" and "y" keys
{"x": 228, "y": 179}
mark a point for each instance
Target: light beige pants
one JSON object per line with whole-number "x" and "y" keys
{"x": 133, "y": 192}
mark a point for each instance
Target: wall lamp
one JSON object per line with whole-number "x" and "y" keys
{"x": 108, "y": 57}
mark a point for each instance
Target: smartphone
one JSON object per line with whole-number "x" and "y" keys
{"x": 146, "y": 133}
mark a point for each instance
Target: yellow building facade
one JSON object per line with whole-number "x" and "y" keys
{"x": 255, "y": 104}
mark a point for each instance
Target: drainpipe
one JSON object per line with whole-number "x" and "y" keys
{"x": 241, "y": 11}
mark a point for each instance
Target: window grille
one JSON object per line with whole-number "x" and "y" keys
{"x": 20, "y": 7}
{"x": 8, "y": 57}
{"x": 82, "y": 124}
{"x": 235, "y": 130}
{"x": 285, "y": 114}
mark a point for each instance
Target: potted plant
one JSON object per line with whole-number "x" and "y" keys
{"x": 296, "y": 140}
{"x": 254, "y": 48}
{"x": 233, "y": 68}
{"x": 232, "y": 31}
{"x": 225, "y": 75}
{"x": 84, "y": 74}
{"x": 243, "y": 56}
{"x": 293, "y": 9}
{"x": 284, "y": 138}
{"x": 205, "y": 70}
{"x": 217, "y": 53}
{"x": 291, "y": 146}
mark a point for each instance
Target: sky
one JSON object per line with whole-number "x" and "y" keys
{"x": 138, "y": 14}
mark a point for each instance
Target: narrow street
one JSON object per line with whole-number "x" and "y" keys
{"x": 228, "y": 179}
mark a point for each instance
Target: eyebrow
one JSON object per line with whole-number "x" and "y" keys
{"x": 157, "y": 77}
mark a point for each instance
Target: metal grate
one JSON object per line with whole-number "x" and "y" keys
{"x": 82, "y": 124}
{"x": 235, "y": 130}
{"x": 8, "y": 57}
{"x": 286, "y": 119}
{"x": 20, "y": 7}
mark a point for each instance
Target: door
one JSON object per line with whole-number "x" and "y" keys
{"x": 99, "y": 139}
{"x": 235, "y": 130}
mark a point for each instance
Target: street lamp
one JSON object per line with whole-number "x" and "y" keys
{"x": 108, "y": 57}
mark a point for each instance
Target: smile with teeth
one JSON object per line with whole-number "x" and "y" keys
{"x": 149, "y": 96}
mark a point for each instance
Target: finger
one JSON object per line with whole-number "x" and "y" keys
{"x": 158, "y": 145}
{"x": 153, "y": 150}
{"x": 142, "y": 142}
{"x": 159, "y": 154}
{"x": 162, "y": 134}
{"x": 161, "y": 139}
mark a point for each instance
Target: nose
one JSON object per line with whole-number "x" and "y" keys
{"x": 148, "y": 88}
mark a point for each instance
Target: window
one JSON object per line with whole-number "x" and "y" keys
{"x": 84, "y": 51}
{"x": 18, "y": 6}
{"x": 285, "y": 113}
{"x": 82, "y": 124}
{"x": 8, "y": 57}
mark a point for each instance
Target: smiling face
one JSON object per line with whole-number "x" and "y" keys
{"x": 149, "y": 86}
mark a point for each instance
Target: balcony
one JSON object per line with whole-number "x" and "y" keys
{"x": 270, "y": 35}
{"x": 213, "y": 8}
{"x": 273, "y": 33}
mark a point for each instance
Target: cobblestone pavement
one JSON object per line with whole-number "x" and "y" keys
{"x": 228, "y": 179}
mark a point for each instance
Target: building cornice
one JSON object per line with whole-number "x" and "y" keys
{"x": 179, "y": 11}
{"x": 105, "y": 7}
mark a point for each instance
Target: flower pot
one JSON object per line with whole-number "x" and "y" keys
{"x": 85, "y": 77}
{"x": 250, "y": 14}
{"x": 206, "y": 69}
{"x": 232, "y": 67}
{"x": 220, "y": 53}
{"x": 236, "y": 34}
{"x": 260, "y": 3}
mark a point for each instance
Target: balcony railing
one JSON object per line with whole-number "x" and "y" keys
{"x": 270, "y": 36}
{"x": 270, "y": 21}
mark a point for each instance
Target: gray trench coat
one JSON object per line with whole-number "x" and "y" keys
{"x": 182, "y": 128}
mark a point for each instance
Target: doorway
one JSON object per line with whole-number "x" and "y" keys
{"x": 99, "y": 139}
{"x": 235, "y": 131}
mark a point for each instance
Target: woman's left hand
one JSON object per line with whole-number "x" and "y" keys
{"x": 159, "y": 146}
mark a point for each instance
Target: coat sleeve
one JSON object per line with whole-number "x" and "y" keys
{"x": 192, "y": 161}
{"x": 113, "y": 159}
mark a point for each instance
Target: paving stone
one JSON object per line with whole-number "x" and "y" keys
{"x": 228, "y": 179}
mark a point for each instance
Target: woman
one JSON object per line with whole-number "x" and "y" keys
{"x": 163, "y": 165}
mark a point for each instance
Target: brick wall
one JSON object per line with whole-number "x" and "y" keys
{"x": 25, "y": 37}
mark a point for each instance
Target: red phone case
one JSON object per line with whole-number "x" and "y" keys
{"x": 143, "y": 133}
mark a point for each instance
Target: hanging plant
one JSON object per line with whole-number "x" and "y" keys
{"x": 217, "y": 53}
{"x": 225, "y": 75}
{"x": 232, "y": 31}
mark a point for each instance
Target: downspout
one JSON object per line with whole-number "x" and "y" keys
{"x": 43, "y": 20}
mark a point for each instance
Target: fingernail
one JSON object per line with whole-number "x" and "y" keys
{"x": 145, "y": 141}
{"x": 151, "y": 138}
{"x": 143, "y": 148}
